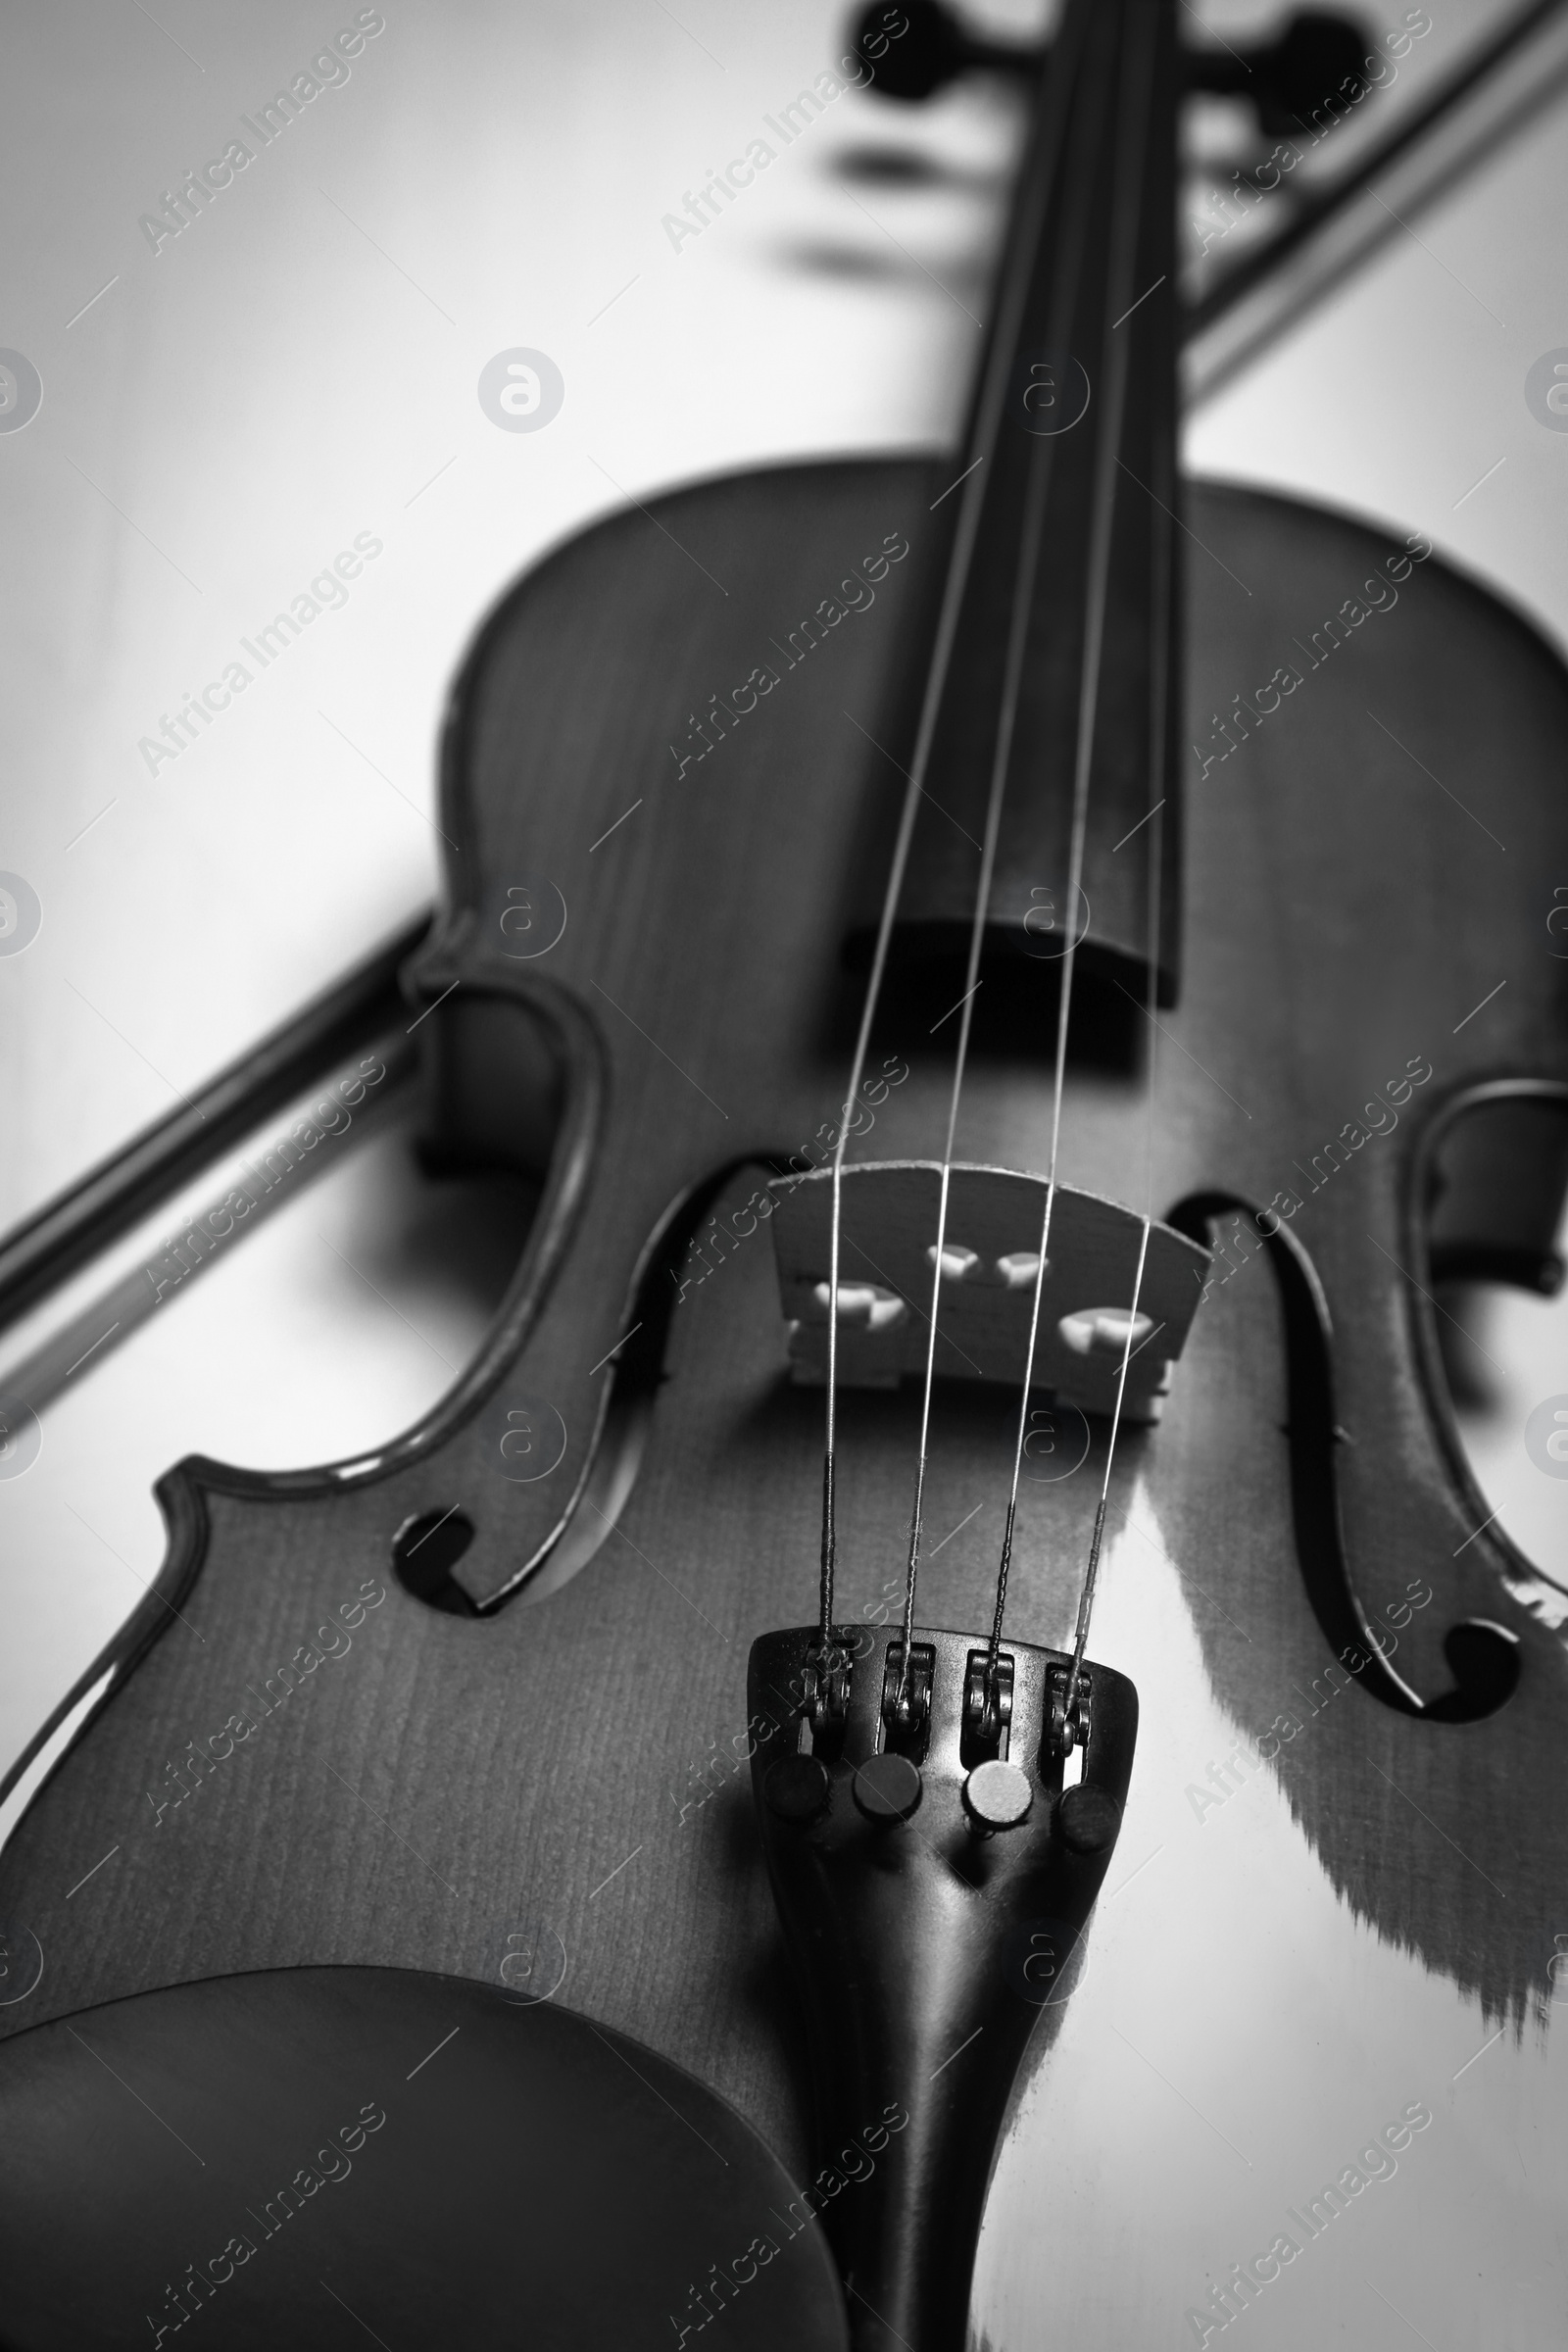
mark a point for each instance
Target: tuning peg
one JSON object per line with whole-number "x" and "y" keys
{"x": 1317, "y": 57}
{"x": 918, "y": 47}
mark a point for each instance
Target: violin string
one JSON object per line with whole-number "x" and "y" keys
{"x": 1118, "y": 365}
{"x": 1160, "y": 690}
{"x": 1041, "y": 467}
{"x": 1086, "y": 1599}
{"x": 946, "y": 631}
{"x": 985, "y": 435}
{"x": 1026, "y": 571}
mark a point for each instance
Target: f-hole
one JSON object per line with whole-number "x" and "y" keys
{"x": 424, "y": 1551}
{"x": 1483, "y": 1657}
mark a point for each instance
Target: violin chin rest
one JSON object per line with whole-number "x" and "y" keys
{"x": 328, "y": 2156}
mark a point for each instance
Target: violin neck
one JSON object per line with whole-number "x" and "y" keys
{"x": 1054, "y": 652}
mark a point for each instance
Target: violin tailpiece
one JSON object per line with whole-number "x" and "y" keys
{"x": 934, "y": 1878}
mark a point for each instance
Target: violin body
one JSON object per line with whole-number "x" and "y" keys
{"x": 1307, "y": 1932}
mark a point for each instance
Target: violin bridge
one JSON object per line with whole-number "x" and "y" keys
{"x": 990, "y": 1261}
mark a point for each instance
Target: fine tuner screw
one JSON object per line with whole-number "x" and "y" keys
{"x": 888, "y": 1788}
{"x": 797, "y": 1788}
{"x": 997, "y": 1795}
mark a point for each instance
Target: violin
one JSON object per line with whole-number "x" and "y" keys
{"x": 929, "y": 1747}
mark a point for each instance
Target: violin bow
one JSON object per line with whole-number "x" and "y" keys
{"x": 1503, "y": 84}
